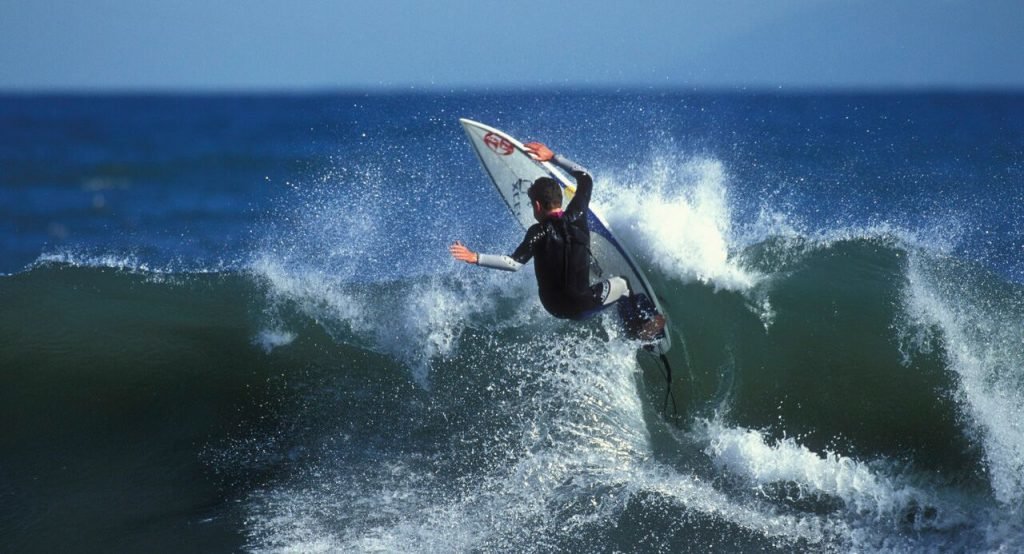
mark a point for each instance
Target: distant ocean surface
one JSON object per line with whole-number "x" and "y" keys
{"x": 231, "y": 323}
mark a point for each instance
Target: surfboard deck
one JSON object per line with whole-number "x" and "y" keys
{"x": 512, "y": 171}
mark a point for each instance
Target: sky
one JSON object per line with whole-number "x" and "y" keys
{"x": 299, "y": 45}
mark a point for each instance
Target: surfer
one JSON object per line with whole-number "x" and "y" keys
{"x": 559, "y": 244}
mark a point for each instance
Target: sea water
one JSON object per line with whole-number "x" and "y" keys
{"x": 230, "y": 322}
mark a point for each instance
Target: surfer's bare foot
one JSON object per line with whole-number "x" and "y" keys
{"x": 652, "y": 328}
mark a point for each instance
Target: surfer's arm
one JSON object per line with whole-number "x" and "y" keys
{"x": 574, "y": 169}
{"x": 514, "y": 262}
{"x": 494, "y": 261}
{"x": 584, "y": 182}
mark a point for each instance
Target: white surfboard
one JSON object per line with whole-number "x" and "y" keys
{"x": 512, "y": 171}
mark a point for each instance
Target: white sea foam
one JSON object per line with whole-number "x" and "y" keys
{"x": 982, "y": 335}
{"x": 880, "y": 509}
{"x": 678, "y": 217}
{"x": 121, "y": 262}
{"x": 320, "y": 296}
{"x": 269, "y": 339}
{"x": 864, "y": 490}
{"x": 427, "y": 323}
{"x": 583, "y": 442}
{"x": 415, "y": 320}
{"x": 583, "y": 430}
{"x": 128, "y": 262}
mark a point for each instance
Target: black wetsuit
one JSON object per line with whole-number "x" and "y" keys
{"x": 560, "y": 248}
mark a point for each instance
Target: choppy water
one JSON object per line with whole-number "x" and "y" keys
{"x": 231, "y": 323}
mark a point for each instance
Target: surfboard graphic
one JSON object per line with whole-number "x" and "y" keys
{"x": 512, "y": 171}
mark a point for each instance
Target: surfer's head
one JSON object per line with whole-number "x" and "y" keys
{"x": 545, "y": 195}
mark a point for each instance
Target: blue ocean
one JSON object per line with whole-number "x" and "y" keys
{"x": 231, "y": 323}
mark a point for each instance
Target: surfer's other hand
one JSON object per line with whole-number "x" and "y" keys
{"x": 538, "y": 151}
{"x": 461, "y": 253}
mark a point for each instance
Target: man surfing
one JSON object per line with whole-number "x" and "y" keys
{"x": 559, "y": 244}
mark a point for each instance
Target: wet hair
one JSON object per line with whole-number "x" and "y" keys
{"x": 546, "y": 191}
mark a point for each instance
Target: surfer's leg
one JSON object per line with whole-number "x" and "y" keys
{"x": 600, "y": 296}
{"x": 612, "y": 290}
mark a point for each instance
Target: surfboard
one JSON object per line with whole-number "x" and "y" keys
{"x": 512, "y": 171}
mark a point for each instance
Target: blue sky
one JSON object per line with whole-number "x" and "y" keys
{"x": 302, "y": 45}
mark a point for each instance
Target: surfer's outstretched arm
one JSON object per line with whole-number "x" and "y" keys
{"x": 493, "y": 261}
{"x": 515, "y": 262}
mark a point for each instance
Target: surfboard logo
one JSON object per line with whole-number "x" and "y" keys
{"x": 500, "y": 145}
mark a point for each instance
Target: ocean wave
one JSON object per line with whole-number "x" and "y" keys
{"x": 852, "y": 389}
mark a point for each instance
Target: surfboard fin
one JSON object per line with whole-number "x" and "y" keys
{"x": 668, "y": 385}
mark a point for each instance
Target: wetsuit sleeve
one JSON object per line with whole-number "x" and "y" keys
{"x": 522, "y": 254}
{"x": 584, "y": 184}
{"x": 495, "y": 261}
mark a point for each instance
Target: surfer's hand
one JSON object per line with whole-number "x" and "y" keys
{"x": 539, "y": 152}
{"x": 461, "y": 253}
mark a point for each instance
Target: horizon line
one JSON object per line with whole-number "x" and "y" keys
{"x": 433, "y": 89}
